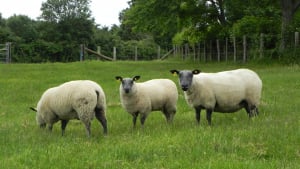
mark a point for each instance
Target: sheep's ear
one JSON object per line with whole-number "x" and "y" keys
{"x": 196, "y": 71}
{"x": 174, "y": 72}
{"x": 135, "y": 78}
{"x": 119, "y": 78}
{"x": 34, "y": 109}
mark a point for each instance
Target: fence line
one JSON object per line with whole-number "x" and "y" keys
{"x": 227, "y": 49}
{"x": 232, "y": 48}
{"x": 84, "y": 50}
{"x": 5, "y": 52}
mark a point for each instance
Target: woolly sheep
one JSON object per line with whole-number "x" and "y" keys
{"x": 152, "y": 95}
{"x": 224, "y": 92}
{"x": 81, "y": 99}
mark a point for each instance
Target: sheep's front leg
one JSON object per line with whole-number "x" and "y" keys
{"x": 43, "y": 125}
{"x": 63, "y": 126}
{"x": 197, "y": 112}
{"x": 134, "y": 116}
{"x": 50, "y": 126}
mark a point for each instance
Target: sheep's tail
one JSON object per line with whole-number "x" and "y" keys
{"x": 33, "y": 109}
{"x": 97, "y": 93}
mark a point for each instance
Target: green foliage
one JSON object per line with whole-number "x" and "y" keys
{"x": 270, "y": 140}
{"x": 153, "y": 16}
{"x": 61, "y": 10}
{"x": 23, "y": 28}
{"x": 65, "y": 24}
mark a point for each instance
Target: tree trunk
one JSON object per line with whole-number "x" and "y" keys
{"x": 288, "y": 8}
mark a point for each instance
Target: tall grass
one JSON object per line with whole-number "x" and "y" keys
{"x": 271, "y": 140}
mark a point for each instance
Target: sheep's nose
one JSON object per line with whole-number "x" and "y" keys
{"x": 126, "y": 90}
{"x": 184, "y": 87}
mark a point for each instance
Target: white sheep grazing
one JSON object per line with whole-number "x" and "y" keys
{"x": 81, "y": 99}
{"x": 152, "y": 95}
{"x": 224, "y": 92}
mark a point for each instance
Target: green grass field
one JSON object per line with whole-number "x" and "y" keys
{"x": 271, "y": 140}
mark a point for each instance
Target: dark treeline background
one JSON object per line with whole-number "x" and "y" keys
{"x": 65, "y": 24}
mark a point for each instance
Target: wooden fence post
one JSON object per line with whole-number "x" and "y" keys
{"x": 210, "y": 50}
{"x": 182, "y": 52}
{"x": 158, "y": 52}
{"x": 218, "y": 50}
{"x": 234, "y": 49}
{"x": 81, "y": 58}
{"x": 114, "y": 53}
{"x": 296, "y": 39}
{"x": 8, "y": 52}
{"x": 261, "y": 46}
{"x": 226, "y": 49}
{"x": 194, "y": 52}
{"x": 99, "y": 49}
{"x": 198, "y": 52}
{"x": 135, "y": 53}
{"x": 244, "y": 49}
{"x": 204, "y": 51}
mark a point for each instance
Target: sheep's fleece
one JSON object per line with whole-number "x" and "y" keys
{"x": 225, "y": 92}
{"x": 153, "y": 95}
{"x": 81, "y": 99}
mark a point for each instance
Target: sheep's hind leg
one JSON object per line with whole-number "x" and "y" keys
{"x": 169, "y": 115}
{"x": 208, "y": 116}
{"x": 63, "y": 126}
{"x": 101, "y": 118}
{"x": 143, "y": 119}
{"x": 88, "y": 128}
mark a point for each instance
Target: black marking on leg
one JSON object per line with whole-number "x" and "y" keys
{"x": 43, "y": 125}
{"x": 197, "y": 112}
{"x": 143, "y": 119}
{"x": 245, "y": 104}
{"x": 134, "y": 115}
{"x": 63, "y": 126}
{"x": 208, "y": 116}
{"x": 100, "y": 115}
{"x": 50, "y": 126}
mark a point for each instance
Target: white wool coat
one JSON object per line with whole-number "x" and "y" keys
{"x": 149, "y": 96}
{"x": 223, "y": 91}
{"x": 71, "y": 100}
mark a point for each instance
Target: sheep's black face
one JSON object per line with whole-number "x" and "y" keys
{"x": 127, "y": 84}
{"x": 185, "y": 79}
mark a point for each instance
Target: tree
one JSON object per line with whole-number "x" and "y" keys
{"x": 153, "y": 17}
{"x": 23, "y": 27}
{"x": 59, "y": 10}
{"x": 60, "y": 18}
{"x": 289, "y": 8}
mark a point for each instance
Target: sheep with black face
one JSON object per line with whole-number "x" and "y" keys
{"x": 153, "y": 95}
{"x": 224, "y": 92}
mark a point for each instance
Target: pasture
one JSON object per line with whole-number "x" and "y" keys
{"x": 271, "y": 140}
